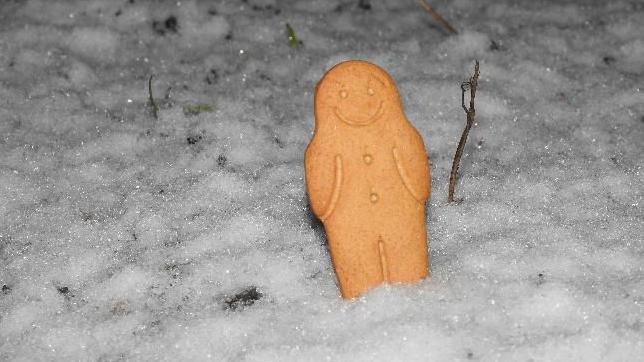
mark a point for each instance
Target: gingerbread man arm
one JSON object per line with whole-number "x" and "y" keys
{"x": 324, "y": 175}
{"x": 413, "y": 168}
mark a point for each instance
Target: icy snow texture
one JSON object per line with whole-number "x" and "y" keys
{"x": 189, "y": 237}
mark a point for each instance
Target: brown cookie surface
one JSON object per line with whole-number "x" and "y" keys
{"x": 367, "y": 177}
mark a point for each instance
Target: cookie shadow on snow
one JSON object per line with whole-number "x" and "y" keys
{"x": 316, "y": 224}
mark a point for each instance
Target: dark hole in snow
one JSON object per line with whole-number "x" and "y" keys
{"x": 609, "y": 59}
{"x": 118, "y": 13}
{"x": 212, "y": 12}
{"x": 278, "y": 142}
{"x": 494, "y": 46}
{"x": 229, "y": 36}
{"x": 541, "y": 278}
{"x": 212, "y": 76}
{"x": 6, "y": 289}
{"x": 170, "y": 24}
{"x": 245, "y": 298}
{"x": 194, "y": 139}
{"x": 364, "y": 4}
{"x": 63, "y": 290}
{"x": 642, "y": 119}
{"x": 222, "y": 160}
{"x": 315, "y": 223}
{"x": 470, "y": 355}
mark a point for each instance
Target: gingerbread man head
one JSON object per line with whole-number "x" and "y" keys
{"x": 357, "y": 93}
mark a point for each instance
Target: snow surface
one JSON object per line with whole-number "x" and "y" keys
{"x": 190, "y": 238}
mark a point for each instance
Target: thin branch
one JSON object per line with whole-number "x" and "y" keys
{"x": 464, "y": 87}
{"x": 437, "y": 16}
{"x": 471, "y": 84}
{"x": 155, "y": 108}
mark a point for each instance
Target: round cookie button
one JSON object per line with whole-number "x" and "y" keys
{"x": 373, "y": 197}
{"x": 367, "y": 158}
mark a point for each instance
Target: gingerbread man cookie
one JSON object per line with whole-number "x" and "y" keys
{"x": 367, "y": 176}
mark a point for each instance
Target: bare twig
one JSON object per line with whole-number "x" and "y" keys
{"x": 155, "y": 108}
{"x": 437, "y": 16}
{"x": 471, "y": 84}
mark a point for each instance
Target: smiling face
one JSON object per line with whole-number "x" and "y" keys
{"x": 357, "y": 93}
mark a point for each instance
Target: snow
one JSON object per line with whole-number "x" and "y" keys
{"x": 190, "y": 237}
{"x": 96, "y": 44}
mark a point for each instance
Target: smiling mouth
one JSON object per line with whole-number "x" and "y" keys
{"x": 368, "y": 121}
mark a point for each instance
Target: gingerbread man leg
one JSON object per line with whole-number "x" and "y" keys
{"x": 405, "y": 249}
{"x": 354, "y": 250}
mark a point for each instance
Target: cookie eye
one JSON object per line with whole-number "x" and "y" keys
{"x": 343, "y": 94}
{"x": 370, "y": 91}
